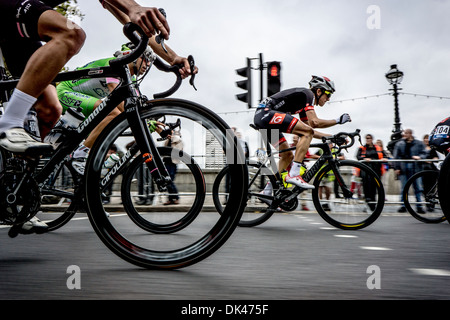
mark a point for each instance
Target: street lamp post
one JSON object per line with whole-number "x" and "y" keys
{"x": 395, "y": 77}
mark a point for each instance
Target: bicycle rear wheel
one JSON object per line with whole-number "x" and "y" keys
{"x": 204, "y": 135}
{"x": 427, "y": 208}
{"x": 57, "y": 200}
{"x": 59, "y": 203}
{"x": 444, "y": 187}
{"x": 360, "y": 198}
{"x": 256, "y": 212}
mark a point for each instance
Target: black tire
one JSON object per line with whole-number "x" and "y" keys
{"x": 427, "y": 183}
{"x": 355, "y": 212}
{"x": 189, "y": 208}
{"x": 256, "y": 212}
{"x": 444, "y": 187}
{"x": 202, "y": 237}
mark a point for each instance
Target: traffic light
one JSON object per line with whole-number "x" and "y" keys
{"x": 273, "y": 77}
{"x": 245, "y": 84}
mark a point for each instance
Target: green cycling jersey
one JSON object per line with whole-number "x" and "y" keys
{"x": 85, "y": 93}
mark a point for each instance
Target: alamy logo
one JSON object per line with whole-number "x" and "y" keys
{"x": 374, "y": 20}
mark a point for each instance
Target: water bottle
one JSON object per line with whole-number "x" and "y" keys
{"x": 70, "y": 120}
{"x": 31, "y": 125}
{"x": 109, "y": 163}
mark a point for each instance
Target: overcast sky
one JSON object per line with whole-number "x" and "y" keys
{"x": 353, "y": 42}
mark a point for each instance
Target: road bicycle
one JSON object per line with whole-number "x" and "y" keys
{"x": 427, "y": 208}
{"x": 360, "y": 198}
{"x": 191, "y": 236}
{"x": 444, "y": 187}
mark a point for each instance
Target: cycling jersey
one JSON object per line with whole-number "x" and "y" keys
{"x": 85, "y": 93}
{"x": 293, "y": 101}
{"x": 19, "y": 38}
{"x": 440, "y": 136}
{"x": 275, "y": 112}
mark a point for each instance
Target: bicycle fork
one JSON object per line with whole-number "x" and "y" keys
{"x": 146, "y": 144}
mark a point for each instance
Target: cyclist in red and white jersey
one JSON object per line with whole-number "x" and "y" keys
{"x": 275, "y": 114}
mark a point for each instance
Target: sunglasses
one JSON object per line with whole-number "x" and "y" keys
{"x": 328, "y": 94}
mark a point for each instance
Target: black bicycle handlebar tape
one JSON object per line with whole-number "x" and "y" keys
{"x": 167, "y": 68}
{"x": 343, "y": 135}
{"x": 137, "y": 36}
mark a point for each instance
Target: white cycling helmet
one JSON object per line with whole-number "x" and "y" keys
{"x": 322, "y": 83}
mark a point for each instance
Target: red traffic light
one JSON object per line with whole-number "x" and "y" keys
{"x": 274, "y": 71}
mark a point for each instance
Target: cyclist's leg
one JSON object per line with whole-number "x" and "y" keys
{"x": 36, "y": 22}
{"x": 305, "y": 134}
{"x": 48, "y": 110}
{"x": 63, "y": 42}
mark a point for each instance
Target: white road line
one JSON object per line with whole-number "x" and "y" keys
{"x": 431, "y": 272}
{"x": 376, "y": 248}
{"x": 344, "y": 236}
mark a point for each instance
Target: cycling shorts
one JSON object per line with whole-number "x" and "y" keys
{"x": 275, "y": 122}
{"x": 19, "y": 37}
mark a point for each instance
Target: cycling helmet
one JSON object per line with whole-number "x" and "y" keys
{"x": 322, "y": 83}
{"x": 440, "y": 136}
{"x": 128, "y": 47}
{"x": 124, "y": 50}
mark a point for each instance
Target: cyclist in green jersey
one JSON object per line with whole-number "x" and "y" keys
{"x": 87, "y": 94}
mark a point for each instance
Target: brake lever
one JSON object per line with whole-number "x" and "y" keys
{"x": 159, "y": 39}
{"x": 192, "y": 66}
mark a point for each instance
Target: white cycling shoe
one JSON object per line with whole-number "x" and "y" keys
{"x": 34, "y": 225}
{"x": 17, "y": 140}
{"x": 299, "y": 182}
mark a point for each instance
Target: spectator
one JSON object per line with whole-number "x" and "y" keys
{"x": 409, "y": 148}
{"x": 171, "y": 166}
{"x": 430, "y": 153}
{"x": 369, "y": 152}
{"x": 386, "y": 153}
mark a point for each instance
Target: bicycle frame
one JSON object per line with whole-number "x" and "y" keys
{"x": 326, "y": 157}
{"x": 127, "y": 92}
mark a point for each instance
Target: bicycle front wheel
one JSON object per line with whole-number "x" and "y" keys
{"x": 208, "y": 139}
{"x": 423, "y": 187}
{"x": 358, "y": 199}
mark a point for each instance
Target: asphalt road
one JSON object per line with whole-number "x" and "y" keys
{"x": 290, "y": 257}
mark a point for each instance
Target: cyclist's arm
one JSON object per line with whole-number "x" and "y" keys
{"x": 111, "y": 86}
{"x": 170, "y": 56}
{"x": 315, "y": 122}
{"x": 149, "y": 19}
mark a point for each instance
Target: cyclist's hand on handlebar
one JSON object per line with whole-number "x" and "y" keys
{"x": 185, "y": 71}
{"x": 154, "y": 125}
{"x": 343, "y": 119}
{"x": 151, "y": 20}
